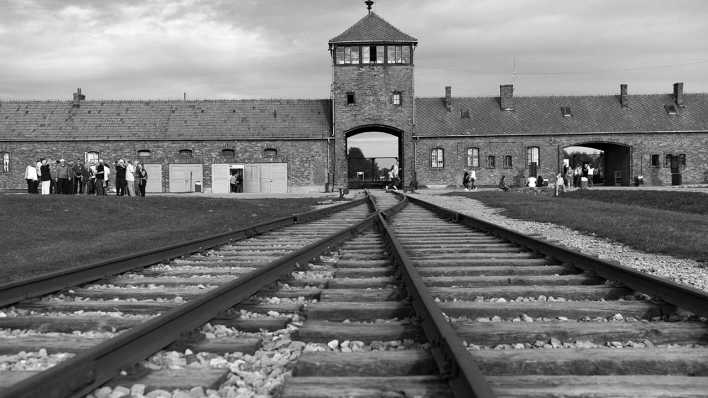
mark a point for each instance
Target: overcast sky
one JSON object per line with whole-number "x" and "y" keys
{"x": 125, "y": 49}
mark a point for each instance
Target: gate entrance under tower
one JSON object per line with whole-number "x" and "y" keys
{"x": 374, "y": 157}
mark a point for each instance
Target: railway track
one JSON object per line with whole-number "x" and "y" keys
{"x": 90, "y": 332}
{"x": 412, "y": 300}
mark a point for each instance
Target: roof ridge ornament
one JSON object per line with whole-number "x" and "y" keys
{"x": 369, "y": 4}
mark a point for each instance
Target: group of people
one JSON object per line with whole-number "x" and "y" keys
{"x": 575, "y": 177}
{"x": 71, "y": 177}
{"x": 393, "y": 181}
{"x": 468, "y": 180}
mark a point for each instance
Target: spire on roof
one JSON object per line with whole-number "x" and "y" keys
{"x": 369, "y": 4}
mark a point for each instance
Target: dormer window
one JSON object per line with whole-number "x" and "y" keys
{"x": 465, "y": 114}
{"x": 671, "y": 109}
{"x": 565, "y": 110}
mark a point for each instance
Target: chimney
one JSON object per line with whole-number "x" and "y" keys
{"x": 623, "y": 95}
{"x": 506, "y": 97}
{"x": 448, "y": 98}
{"x": 78, "y": 97}
{"x": 678, "y": 93}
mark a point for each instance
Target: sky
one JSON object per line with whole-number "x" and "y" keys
{"x": 142, "y": 49}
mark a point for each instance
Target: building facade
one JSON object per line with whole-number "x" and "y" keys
{"x": 301, "y": 145}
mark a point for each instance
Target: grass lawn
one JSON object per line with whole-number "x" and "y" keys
{"x": 48, "y": 233}
{"x": 640, "y": 219}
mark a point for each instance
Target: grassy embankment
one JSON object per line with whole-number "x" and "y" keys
{"x": 673, "y": 223}
{"x": 48, "y": 233}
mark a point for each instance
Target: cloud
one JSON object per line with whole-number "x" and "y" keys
{"x": 278, "y": 48}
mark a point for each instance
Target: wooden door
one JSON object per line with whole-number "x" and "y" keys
{"x": 154, "y": 180}
{"x": 251, "y": 178}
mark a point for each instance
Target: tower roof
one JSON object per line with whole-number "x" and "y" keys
{"x": 373, "y": 29}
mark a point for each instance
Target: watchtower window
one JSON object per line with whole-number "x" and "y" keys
{"x": 350, "y": 98}
{"x": 347, "y": 55}
{"x": 396, "y": 98}
{"x": 399, "y": 55}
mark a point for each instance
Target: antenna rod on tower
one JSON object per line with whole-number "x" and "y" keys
{"x": 369, "y": 4}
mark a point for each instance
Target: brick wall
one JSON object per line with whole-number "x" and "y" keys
{"x": 642, "y": 146}
{"x": 372, "y": 86}
{"x": 306, "y": 159}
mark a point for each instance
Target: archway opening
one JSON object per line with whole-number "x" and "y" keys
{"x": 373, "y": 158}
{"x": 608, "y": 163}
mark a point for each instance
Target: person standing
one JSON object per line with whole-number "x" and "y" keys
{"x": 120, "y": 177}
{"x": 100, "y": 178}
{"x": 130, "y": 178}
{"x": 91, "y": 185}
{"x": 62, "y": 177}
{"x": 232, "y": 181}
{"x": 45, "y": 176}
{"x": 503, "y": 185}
{"x": 473, "y": 179}
{"x": 31, "y": 177}
{"x": 79, "y": 177}
{"x": 466, "y": 180}
{"x": 141, "y": 175}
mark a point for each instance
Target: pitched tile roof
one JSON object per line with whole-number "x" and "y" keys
{"x": 542, "y": 115}
{"x": 373, "y": 29}
{"x": 164, "y": 120}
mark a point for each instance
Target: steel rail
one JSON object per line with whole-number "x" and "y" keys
{"x": 454, "y": 362}
{"x": 680, "y": 296}
{"x": 88, "y": 370}
{"x": 14, "y": 292}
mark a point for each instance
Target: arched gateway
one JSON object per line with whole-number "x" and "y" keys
{"x": 373, "y": 153}
{"x": 372, "y": 91}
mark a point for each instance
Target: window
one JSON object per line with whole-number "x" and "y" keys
{"x": 270, "y": 153}
{"x": 472, "y": 157}
{"x": 565, "y": 110}
{"x": 144, "y": 153}
{"x": 379, "y": 55}
{"x": 396, "y": 98}
{"x": 350, "y": 98}
{"x": 91, "y": 157}
{"x": 339, "y": 55}
{"x": 5, "y": 156}
{"x": 399, "y": 55}
{"x": 491, "y": 161}
{"x": 507, "y": 162}
{"x": 532, "y": 156}
{"x": 655, "y": 161}
{"x": 186, "y": 153}
{"x": 437, "y": 160}
{"x": 465, "y": 114}
{"x": 228, "y": 153}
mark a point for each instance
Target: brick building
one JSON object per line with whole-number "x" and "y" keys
{"x": 301, "y": 145}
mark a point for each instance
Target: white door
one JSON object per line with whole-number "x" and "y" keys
{"x": 154, "y": 181}
{"x": 251, "y": 178}
{"x": 220, "y": 178}
{"x": 274, "y": 177}
{"x": 184, "y": 177}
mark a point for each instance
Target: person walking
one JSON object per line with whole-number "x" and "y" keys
{"x": 130, "y": 178}
{"x": 45, "y": 177}
{"x": 141, "y": 175}
{"x": 473, "y": 179}
{"x": 31, "y": 177}
{"x": 466, "y": 180}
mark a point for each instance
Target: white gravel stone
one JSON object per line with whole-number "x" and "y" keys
{"x": 684, "y": 271}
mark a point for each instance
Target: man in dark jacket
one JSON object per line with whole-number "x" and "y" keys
{"x": 78, "y": 177}
{"x": 62, "y": 177}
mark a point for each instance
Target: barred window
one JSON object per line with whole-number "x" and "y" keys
{"x": 472, "y": 157}
{"x": 491, "y": 162}
{"x": 437, "y": 160}
{"x": 655, "y": 161}
{"x": 270, "y": 153}
{"x": 5, "y": 158}
{"x": 532, "y": 155}
{"x": 507, "y": 162}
